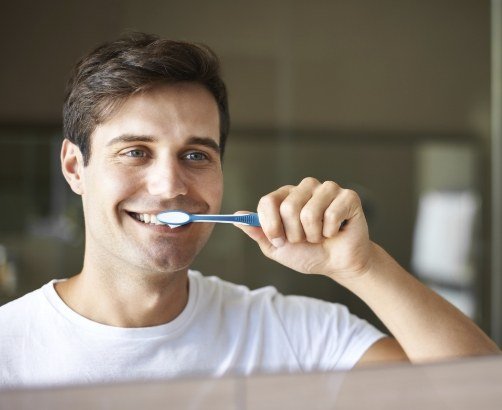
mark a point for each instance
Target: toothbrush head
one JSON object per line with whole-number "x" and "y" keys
{"x": 174, "y": 218}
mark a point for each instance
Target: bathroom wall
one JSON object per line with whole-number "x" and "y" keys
{"x": 353, "y": 91}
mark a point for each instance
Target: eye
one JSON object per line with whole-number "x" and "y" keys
{"x": 135, "y": 153}
{"x": 196, "y": 156}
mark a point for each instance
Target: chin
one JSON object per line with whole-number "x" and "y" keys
{"x": 170, "y": 266}
{"x": 173, "y": 260}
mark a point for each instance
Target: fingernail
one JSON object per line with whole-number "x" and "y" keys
{"x": 277, "y": 242}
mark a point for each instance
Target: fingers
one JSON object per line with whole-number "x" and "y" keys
{"x": 345, "y": 207}
{"x": 309, "y": 212}
{"x": 258, "y": 236}
{"x": 270, "y": 217}
{"x": 313, "y": 214}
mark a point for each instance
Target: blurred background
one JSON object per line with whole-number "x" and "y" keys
{"x": 391, "y": 98}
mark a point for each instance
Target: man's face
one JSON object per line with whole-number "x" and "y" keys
{"x": 158, "y": 151}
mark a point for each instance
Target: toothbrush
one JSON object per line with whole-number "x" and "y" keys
{"x": 177, "y": 218}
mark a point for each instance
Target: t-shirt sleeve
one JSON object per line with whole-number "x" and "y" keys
{"x": 324, "y": 336}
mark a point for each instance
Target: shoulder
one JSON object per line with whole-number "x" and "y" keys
{"x": 317, "y": 314}
{"x": 19, "y": 304}
{"x": 12, "y": 313}
{"x": 286, "y": 307}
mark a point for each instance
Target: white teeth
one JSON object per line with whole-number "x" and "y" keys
{"x": 154, "y": 220}
{"x": 149, "y": 219}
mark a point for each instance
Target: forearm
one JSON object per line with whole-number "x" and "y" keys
{"x": 426, "y": 326}
{"x": 320, "y": 228}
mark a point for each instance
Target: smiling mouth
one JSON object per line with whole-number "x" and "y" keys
{"x": 147, "y": 219}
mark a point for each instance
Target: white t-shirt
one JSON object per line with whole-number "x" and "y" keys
{"x": 224, "y": 329}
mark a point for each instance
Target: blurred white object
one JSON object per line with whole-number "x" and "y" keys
{"x": 444, "y": 234}
{"x": 462, "y": 299}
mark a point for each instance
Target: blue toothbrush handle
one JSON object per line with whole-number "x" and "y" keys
{"x": 248, "y": 219}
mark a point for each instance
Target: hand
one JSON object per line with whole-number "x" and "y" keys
{"x": 314, "y": 227}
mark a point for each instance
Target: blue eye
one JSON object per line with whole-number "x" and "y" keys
{"x": 196, "y": 156}
{"x": 136, "y": 153}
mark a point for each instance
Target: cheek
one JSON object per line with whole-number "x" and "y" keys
{"x": 217, "y": 187}
{"x": 109, "y": 186}
{"x": 214, "y": 190}
{"x": 118, "y": 182}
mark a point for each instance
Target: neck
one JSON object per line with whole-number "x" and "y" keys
{"x": 129, "y": 298}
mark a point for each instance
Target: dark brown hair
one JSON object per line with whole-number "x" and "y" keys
{"x": 114, "y": 71}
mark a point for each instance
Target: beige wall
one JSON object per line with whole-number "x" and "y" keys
{"x": 339, "y": 68}
{"x": 353, "y": 64}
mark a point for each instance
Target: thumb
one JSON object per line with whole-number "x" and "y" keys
{"x": 256, "y": 234}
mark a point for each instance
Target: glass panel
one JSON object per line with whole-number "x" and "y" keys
{"x": 41, "y": 222}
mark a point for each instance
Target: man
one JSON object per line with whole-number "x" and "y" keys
{"x": 145, "y": 125}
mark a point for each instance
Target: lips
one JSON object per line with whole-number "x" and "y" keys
{"x": 151, "y": 222}
{"x": 147, "y": 214}
{"x": 148, "y": 219}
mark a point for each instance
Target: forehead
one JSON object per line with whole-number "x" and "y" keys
{"x": 178, "y": 111}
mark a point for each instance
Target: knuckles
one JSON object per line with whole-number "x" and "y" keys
{"x": 330, "y": 186}
{"x": 308, "y": 216}
{"x": 289, "y": 208}
{"x": 310, "y": 181}
{"x": 352, "y": 196}
{"x": 266, "y": 201}
{"x": 313, "y": 223}
{"x": 273, "y": 199}
{"x": 330, "y": 217}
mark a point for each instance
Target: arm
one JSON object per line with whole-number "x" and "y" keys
{"x": 426, "y": 326}
{"x": 320, "y": 228}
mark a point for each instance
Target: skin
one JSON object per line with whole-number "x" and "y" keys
{"x": 320, "y": 228}
{"x": 159, "y": 151}
{"x": 135, "y": 275}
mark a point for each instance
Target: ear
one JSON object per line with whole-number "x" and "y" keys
{"x": 72, "y": 165}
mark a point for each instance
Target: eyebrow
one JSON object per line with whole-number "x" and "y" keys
{"x": 130, "y": 138}
{"x": 205, "y": 141}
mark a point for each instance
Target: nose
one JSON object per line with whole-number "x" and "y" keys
{"x": 166, "y": 179}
